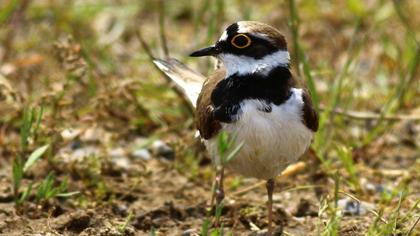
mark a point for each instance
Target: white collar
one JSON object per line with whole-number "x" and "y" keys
{"x": 242, "y": 65}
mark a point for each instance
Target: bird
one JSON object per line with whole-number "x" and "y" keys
{"x": 253, "y": 96}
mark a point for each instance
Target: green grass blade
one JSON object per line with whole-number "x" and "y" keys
{"x": 45, "y": 188}
{"x": 17, "y": 173}
{"x": 25, "y": 128}
{"x": 26, "y": 193}
{"x": 345, "y": 155}
{"x": 38, "y": 120}
{"x": 7, "y": 10}
{"x": 153, "y": 231}
{"x": 222, "y": 141}
{"x": 35, "y": 156}
{"x": 205, "y": 227}
{"x": 123, "y": 227}
{"x": 233, "y": 153}
{"x": 299, "y": 54}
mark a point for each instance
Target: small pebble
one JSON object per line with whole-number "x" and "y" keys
{"x": 278, "y": 231}
{"x": 190, "y": 232}
{"x": 76, "y": 221}
{"x": 122, "y": 162}
{"x": 374, "y": 188}
{"x": 6, "y": 193}
{"x": 305, "y": 208}
{"x": 69, "y": 134}
{"x": 160, "y": 148}
{"x": 142, "y": 153}
{"x": 120, "y": 209}
{"x": 117, "y": 152}
{"x": 81, "y": 153}
{"x": 354, "y": 208}
{"x": 140, "y": 141}
{"x": 76, "y": 144}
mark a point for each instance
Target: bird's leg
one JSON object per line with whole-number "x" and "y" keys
{"x": 220, "y": 194}
{"x": 216, "y": 185}
{"x": 270, "y": 189}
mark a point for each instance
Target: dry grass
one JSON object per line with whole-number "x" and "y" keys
{"x": 83, "y": 63}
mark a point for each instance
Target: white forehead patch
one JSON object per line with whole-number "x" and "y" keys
{"x": 224, "y": 36}
{"x": 243, "y": 27}
{"x": 243, "y": 65}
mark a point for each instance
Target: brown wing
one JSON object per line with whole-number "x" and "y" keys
{"x": 310, "y": 116}
{"x": 206, "y": 123}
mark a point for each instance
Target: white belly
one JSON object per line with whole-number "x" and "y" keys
{"x": 271, "y": 140}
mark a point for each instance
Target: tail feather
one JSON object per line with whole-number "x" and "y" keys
{"x": 187, "y": 80}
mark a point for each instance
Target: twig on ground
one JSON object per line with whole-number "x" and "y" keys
{"x": 413, "y": 67}
{"x": 162, "y": 30}
{"x": 413, "y": 226}
{"x": 145, "y": 46}
{"x": 362, "y": 115}
{"x": 149, "y": 53}
{"x": 370, "y": 210}
{"x": 289, "y": 171}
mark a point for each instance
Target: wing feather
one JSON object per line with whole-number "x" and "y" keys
{"x": 187, "y": 80}
{"x": 198, "y": 90}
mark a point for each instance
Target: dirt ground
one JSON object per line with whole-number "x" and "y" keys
{"x": 121, "y": 142}
{"x": 157, "y": 195}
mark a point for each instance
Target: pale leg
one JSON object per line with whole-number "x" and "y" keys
{"x": 270, "y": 189}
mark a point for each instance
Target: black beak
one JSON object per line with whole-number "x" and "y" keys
{"x": 209, "y": 51}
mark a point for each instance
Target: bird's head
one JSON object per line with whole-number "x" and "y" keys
{"x": 247, "y": 47}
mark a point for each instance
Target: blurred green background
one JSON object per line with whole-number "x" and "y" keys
{"x": 83, "y": 64}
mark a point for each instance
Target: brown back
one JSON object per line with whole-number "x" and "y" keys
{"x": 310, "y": 116}
{"x": 205, "y": 121}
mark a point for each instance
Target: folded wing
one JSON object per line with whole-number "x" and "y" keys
{"x": 186, "y": 80}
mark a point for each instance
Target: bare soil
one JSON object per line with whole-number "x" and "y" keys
{"x": 161, "y": 197}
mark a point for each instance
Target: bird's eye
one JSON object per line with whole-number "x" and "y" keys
{"x": 241, "y": 41}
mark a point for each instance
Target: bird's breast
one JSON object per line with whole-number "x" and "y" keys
{"x": 273, "y": 136}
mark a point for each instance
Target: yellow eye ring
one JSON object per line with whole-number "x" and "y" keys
{"x": 239, "y": 46}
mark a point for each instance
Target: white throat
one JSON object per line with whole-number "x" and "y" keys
{"x": 242, "y": 65}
